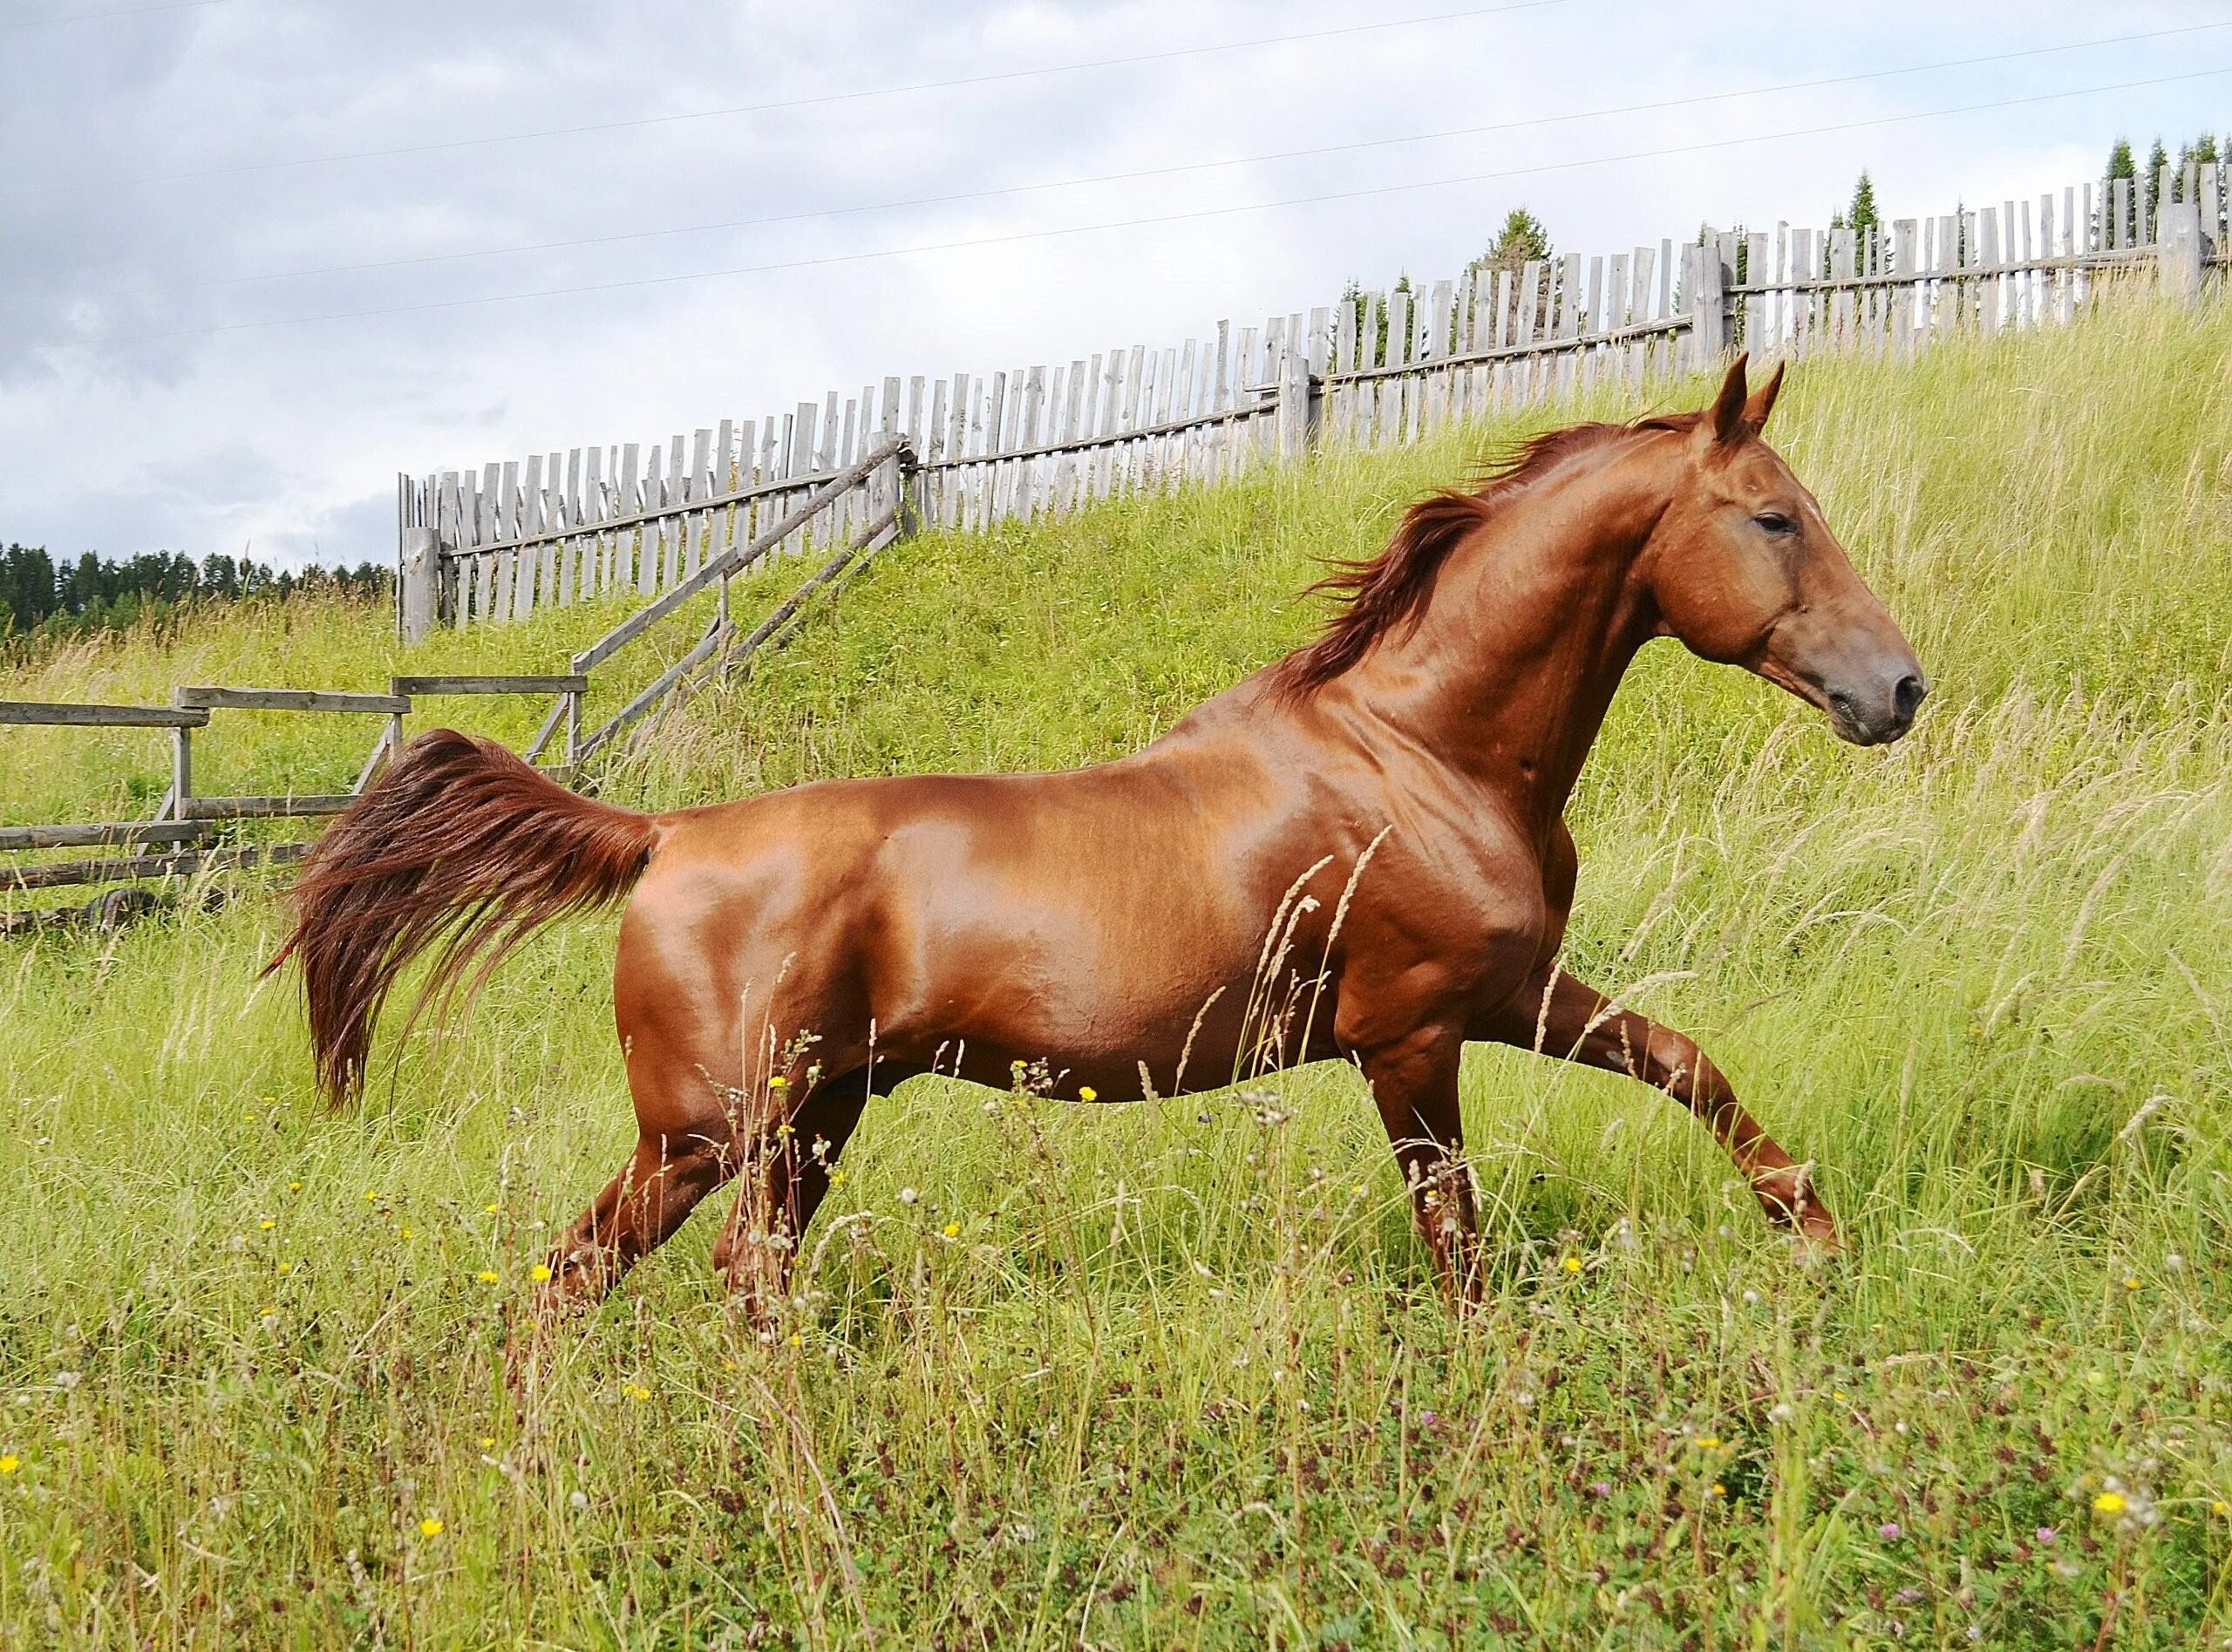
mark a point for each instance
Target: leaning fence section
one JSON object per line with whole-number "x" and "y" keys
{"x": 850, "y": 514}
{"x": 192, "y": 832}
{"x": 483, "y": 548}
{"x": 641, "y": 521}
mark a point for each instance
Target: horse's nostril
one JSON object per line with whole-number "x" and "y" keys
{"x": 1907, "y": 697}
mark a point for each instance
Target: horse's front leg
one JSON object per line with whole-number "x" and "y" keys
{"x": 1567, "y": 1018}
{"x": 1414, "y": 1085}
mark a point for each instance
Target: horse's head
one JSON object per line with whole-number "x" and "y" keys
{"x": 1744, "y": 569}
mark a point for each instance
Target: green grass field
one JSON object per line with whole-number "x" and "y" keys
{"x": 1176, "y": 1374}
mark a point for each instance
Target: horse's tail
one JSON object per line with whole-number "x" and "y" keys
{"x": 458, "y": 843}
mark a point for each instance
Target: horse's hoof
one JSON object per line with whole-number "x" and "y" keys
{"x": 1814, "y": 1249}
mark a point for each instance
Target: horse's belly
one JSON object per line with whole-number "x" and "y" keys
{"x": 1091, "y": 963}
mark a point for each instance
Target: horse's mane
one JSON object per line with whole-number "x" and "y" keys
{"x": 1386, "y": 592}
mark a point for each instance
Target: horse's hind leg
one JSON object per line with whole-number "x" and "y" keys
{"x": 784, "y": 1186}
{"x": 1570, "y": 1019}
{"x": 639, "y": 1209}
{"x": 685, "y": 1148}
{"x": 653, "y": 1194}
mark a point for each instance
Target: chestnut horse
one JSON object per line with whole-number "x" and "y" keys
{"x": 1383, "y": 808}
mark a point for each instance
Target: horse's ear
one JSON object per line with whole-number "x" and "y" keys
{"x": 1728, "y": 406}
{"x": 1763, "y": 400}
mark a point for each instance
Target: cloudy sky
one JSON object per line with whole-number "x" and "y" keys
{"x": 257, "y": 255}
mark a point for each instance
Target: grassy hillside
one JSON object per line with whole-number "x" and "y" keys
{"x": 1171, "y": 1374}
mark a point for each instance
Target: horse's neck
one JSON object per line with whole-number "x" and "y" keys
{"x": 1511, "y": 669}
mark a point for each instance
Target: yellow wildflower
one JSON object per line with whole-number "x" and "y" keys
{"x": 2109, "y": 1503}
{"x": 1086, "y": 1092}
{"x": 490, "y": 1276}
{"x": 487, "y": 1442}
{"x": 1708, "y": 1442}
{"x": 294, "y": 1187}
{"x": 539, "y": 1273}
{"x": 491, "y": 1209}
{"x": 430, "y": 1527}
{"x": 371, "y": 1195}
{"x": 1572, "y": 1264}
{"x": 267, "y": 1225}
{"x": 636, "y": 1391}
{"x": 2131, "y": 1282}
{"x": 285, "y": 1267}
{"x": 403, "y": 1232}
{"x": 797, "y": 1341}
{"x": 1719, "y": 1490}
{"x": 836, "y": 1178}
{"x": 9, "y": 1464}
{"x": 953, "y": 1230}
{"x": 779, "y": 1082}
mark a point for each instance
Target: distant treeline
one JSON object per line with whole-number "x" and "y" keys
{"x": 40, "y": 598}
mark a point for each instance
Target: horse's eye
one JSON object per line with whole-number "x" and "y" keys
{"x": 1775, "y": 522}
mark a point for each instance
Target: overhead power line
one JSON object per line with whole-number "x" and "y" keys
{"x": 828, "y": 260}
{"x": 94, "y": 16}
{"x": 817, "y": 100}
{"x": 1140, "y": 174}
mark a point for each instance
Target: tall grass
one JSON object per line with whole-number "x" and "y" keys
{"x": 1175, "y": 1373}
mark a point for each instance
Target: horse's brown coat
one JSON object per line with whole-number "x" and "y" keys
{"x": 1109, "y": 926}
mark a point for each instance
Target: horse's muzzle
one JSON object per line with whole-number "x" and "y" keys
{"x": 1881, "y": 711}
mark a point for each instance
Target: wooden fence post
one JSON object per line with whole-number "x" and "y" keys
{"x": 182, "y": 765}
{"x": 1705, "y": 282}
{"x": 2177, "y": 251}
{"x": 1299, "y": 390}
{"x": 416, "y": 597}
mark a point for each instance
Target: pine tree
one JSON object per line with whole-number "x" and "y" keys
{"x": 1864, "y": 216}
{"x": 2201, "y": 151}
{"x": 1522, "y": 240}
{"x": 2157, "y": 158}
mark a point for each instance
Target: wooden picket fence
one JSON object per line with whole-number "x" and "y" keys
{"x": 496, "y": 544}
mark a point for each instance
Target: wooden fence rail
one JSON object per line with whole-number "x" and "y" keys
{"x": 868, "y": 498}
{"x": 188, "y": 822}
{"x": 643, "y": 520}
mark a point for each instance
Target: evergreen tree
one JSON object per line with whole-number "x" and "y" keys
{"x": 1523, "y": 240}
{"x": 37, "y": 598}
{"x": 1863, "y": 216}
{"x": 2157, "y": 158}
{"x": 2202, "y": 152}
{"x": 2119, "y": 165}
{"x": 1374, "y": 349}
